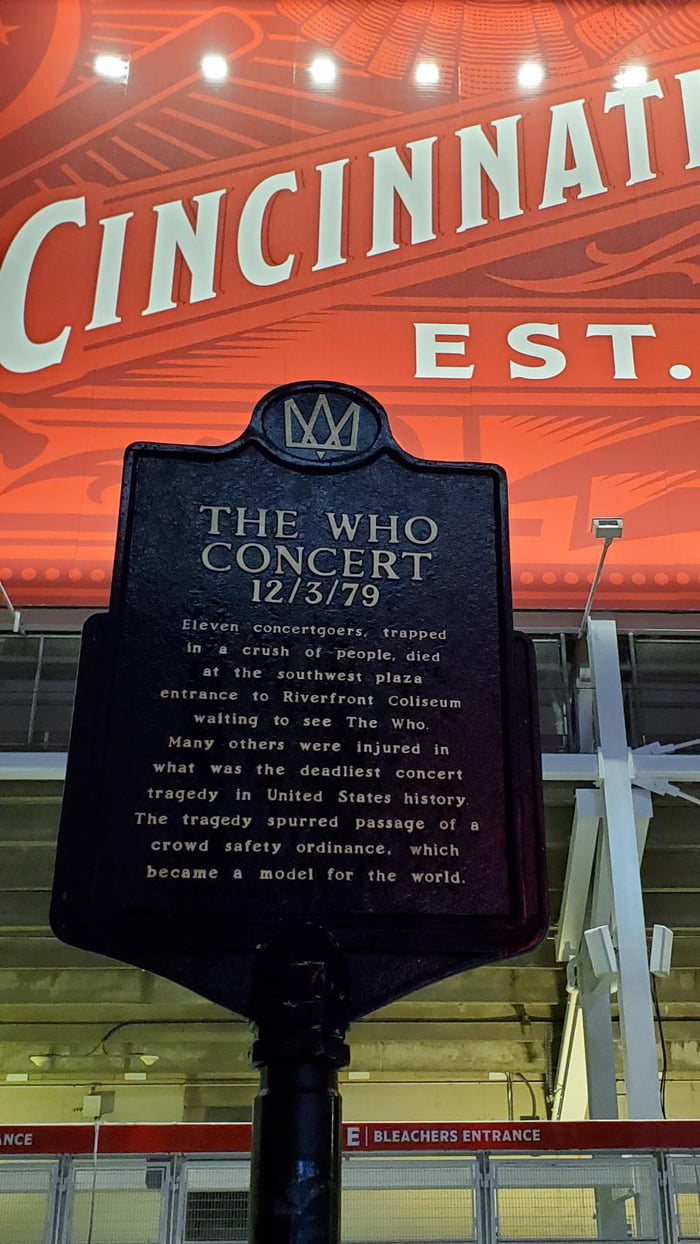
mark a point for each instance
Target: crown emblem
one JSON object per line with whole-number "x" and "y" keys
{"x": 321, "y": 430}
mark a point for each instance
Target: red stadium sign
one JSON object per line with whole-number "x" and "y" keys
{"x": 464, "y": 1137}
{"x": 510, "y": 268}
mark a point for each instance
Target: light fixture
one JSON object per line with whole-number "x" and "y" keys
{"x": 135, "y": 1077}
{"x": 42, "y": 1061}
{"x": 323, "y": 70}
{"x": 358, "y": 1075}
{"x": 17, "y": 1077}
{"x": 149, "y": 1060}
{"x": 607, "y": 528}
{"x": 661, "y": 947}
{"x": 601, "y": 952}
{"x": 113, "y": 67}
{"x": 531, "y": 73}
{"x": 92, "y": 1106}
{"x": 214, "y": 67}
{"x": 427, "y": 73}
{"x": 631, "y": 75}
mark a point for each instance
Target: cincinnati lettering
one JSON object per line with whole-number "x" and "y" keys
{"x": 240, "y": 238}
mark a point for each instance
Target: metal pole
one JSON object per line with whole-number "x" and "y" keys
{"x": 300, "y": 1010}
{"x": 596, "y": 580}
{"x": 17, "y": 627}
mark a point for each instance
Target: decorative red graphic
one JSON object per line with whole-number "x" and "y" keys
{"x": 510, "y": 269}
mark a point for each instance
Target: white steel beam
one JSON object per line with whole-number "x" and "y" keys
{"x": 664, "y": 765}
{"x": 601, "y": 896}
{"x": 570, "y": 767}
{"x": 556, "y": 767}
{"x": 599, "y": 1043}
{"x": 634, "y": 990}
{"x": 570, "y": 1099}
{"x": 579, "y": 870}
{"x": 585, "y": 767}
{"x": 602, "y": 907}
{"x": 32, "y": 766}
{"x": 643, "y": 812}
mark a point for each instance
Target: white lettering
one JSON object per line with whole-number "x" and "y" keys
{"x": 431, "y": 341}
{"x": 207, "y": 552}
{"x": 196, "y": 244}
{"x": 330, "y": 215}
{"x": 254, "y": 266}
{"x": 553, "y": 360}
{"x": 569, "y": 126}
{"x": 622, "y": 336}
{"x": 415, "y": 190}
{"x": 500, "y": 166}
{"x": 18, "y": 353}
{"x": 690, "y": 95}
{"x": 104, "y": 308}
{"x": 631, "y": 99}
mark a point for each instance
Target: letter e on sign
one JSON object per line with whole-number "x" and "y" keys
{"x": 432, "y": 340}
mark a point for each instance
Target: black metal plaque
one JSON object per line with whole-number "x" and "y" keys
{"x": 305, "y": 704}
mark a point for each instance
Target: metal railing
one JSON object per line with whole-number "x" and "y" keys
{"x": 37, "y": 686}
{"x": 650, "y": 1198}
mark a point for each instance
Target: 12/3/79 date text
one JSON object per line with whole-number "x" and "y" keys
{"x": 314, "y": 592}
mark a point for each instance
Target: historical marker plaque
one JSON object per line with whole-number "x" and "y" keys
{"x": 301, "y": 706}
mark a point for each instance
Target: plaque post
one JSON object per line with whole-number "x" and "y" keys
{"x": 300, "y": 1010}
